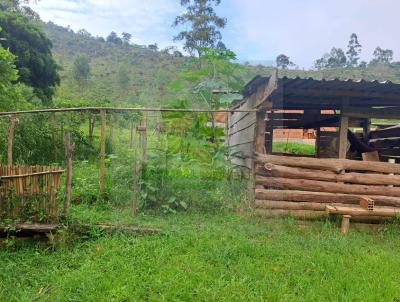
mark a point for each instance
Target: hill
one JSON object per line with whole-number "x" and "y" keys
{"x": 129, "y": 74}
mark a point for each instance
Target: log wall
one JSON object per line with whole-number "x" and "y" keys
{"x": 306, "y": 187}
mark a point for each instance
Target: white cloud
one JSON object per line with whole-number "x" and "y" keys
{"x": 306, "y": 29}
{"x": 147, "y": 21}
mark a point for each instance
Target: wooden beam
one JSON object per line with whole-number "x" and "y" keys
{"x": 323, "y": 197}
{"x": 383, "y": 113}
{"x": 340, "y": 93}
{"x": 331, "y": 164}
{"x": 323, "y": 186}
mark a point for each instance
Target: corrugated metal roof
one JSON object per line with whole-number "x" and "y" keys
{"x": 337, "y": 84}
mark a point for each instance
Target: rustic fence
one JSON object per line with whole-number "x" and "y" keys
{"x": 314, "y": 188}
{"x": 30, "y": 193}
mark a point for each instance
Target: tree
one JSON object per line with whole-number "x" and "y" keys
{"x": 335, "y": 59}
{"x": 283, "y": 61}
{"x": 81, "y": 68}
{"x": 35, "y": 63}
{"x": 10, "y": 96}
{"x": 113, "y": 38}
{"x": 153, "y": 47}
{"x": 204, "y": 25}
{"x": 353, "y": 51}
{"x": 126, "y": 37}
{"x": 16, "y": 7}
{"x": 383, "y": 56}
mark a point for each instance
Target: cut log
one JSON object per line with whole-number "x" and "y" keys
{"x": 331, "y": 164}
{"x": 350, "y": 177}
{"x": 303, "y": 214}
{"x": 358, "y": 211}
{"x": 322, "y": 197}
{"x": 345, "y": 224}
{"x": 324, "y": 186}
{"x": 288, "y": 205}
{"x": 36, "y": 227}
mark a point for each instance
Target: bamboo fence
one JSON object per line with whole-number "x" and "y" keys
{"x": 30, "y": 193}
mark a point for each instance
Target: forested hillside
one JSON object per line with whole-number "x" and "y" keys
{"x": 129, "y": 74}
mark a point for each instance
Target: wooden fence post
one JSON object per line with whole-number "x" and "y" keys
{"x": 53, "y": 134}
{"x": 135, "y": 172}
{"x": 143, "y": 136}
{"x": 111, "y": 129}
{"x": 11, "y": 130}
{"x": 103, "y": 151}
{"x": 69, "y": 149}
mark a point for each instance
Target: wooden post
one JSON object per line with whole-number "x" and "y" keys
{"x": 132, "y": 129}
{"x": 69, "y": 148}
{"x": 345, "y": 224}
{"x": 344, "y": 126}
{"x": 143, "y": 136}
{"x": 260, "y": 132}
{"x": 91, "y": 121}
{"x": 135, "y": 172}
{"x": 111, "y": 129}
{"x": 158, "y": 125}
{"x": 102, "y": 151}
{"x": 11, "y": 130}
{"x": 366, "y": 130}
{"x": 53, "y": 134}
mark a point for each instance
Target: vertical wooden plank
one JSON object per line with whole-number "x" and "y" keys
{"x": 366, "y": 129}
{"x": 11, "y": 130}
{"x": 69, "y": 148}
{"x": 318, "y": 143}
{"x": 260, "y": 132}
{"x": 102, "y": 150}
{"x": 344, "y": 126}
{"x": 343, "y": 129}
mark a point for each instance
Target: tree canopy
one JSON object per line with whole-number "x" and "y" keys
{"x": 283, "y": 61}
{"x": 204, "y": 26}
{"x": 383, "y": 56}
{"x": 36, "y": 66}
{"x": 353, "y": 50}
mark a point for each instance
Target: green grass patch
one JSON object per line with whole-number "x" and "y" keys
{"x": 294, "y": 148}
{"x": 208, "y": 258}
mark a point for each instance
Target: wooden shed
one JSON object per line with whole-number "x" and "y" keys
{"x": 348, "y": 173}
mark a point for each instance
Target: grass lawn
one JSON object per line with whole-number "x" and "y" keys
{"x": 293, "y": 148}
{"x": 201, "y": 257}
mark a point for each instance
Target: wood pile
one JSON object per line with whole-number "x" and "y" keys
{"x": 306, "y": 187}
{"x": 29, "y": 193}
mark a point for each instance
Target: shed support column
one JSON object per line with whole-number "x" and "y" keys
{"x": 260, "y": 132}
{"x": 344, "y": 126}
{"x": 366, "y": 129}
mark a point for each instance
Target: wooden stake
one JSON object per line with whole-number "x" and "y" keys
{"x": 69, "y": 148}
{"x": 102, "y": 151}
{"x": 11, "y": 130}
{"x": 345, "y": 224}
{"x": 111, "y": 129}
{"x": 53, "y": 125}
{"x": 143, "y": 136}
{"x": 134, "y": 174}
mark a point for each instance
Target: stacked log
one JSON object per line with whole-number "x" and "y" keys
{"x": 306, "y": 187}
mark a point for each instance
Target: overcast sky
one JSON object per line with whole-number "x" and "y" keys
{"x": 257, "y": 29}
